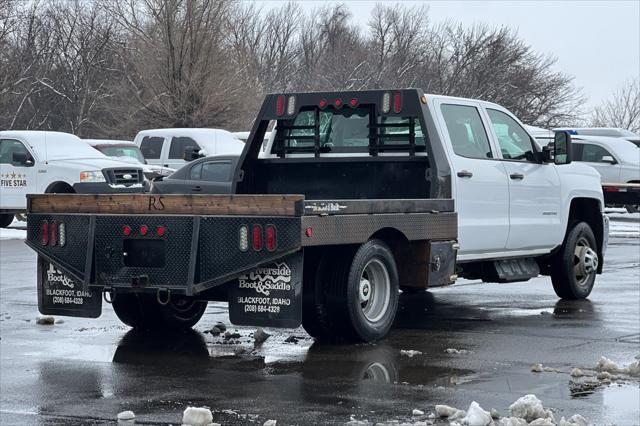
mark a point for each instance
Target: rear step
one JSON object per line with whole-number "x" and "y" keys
{"x": 509, "y": 270}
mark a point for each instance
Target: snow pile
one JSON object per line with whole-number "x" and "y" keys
{"x": 410, "y": 353}
{"x": 125, "y": 416}
{"x": 530, "y": 408}
{"x": 576, "y": 372}
{"x": 575, "y": 420}
{"x": 605, "y": 365}
{"x": 45, "y": 320}
{"x": 476, "y": 416}
{"x": 417, "y": 412}
{"x": 13, "y": 234}
{"x": 197, "y": 416}
{"x": 511, "y": 421}
{"x": 450, "y": 413}
{"x": 457, "y": 351}
{"x": 537, "y": 368}
{"x": 270, "y": 423}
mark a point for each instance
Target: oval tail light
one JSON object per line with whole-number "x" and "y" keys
{"x": 44, "y": 233}
{"x": 62, "y": 232}
{"x": 270, "y": 238}
{"x": 53, "y": 230}
{"x": 243, "y": 238}
{"x": 257, "y": 237}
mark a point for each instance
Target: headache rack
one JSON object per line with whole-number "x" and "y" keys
{"x": 377, "y": 137}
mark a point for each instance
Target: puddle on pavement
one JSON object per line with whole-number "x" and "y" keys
{"x": 621, "y": 404}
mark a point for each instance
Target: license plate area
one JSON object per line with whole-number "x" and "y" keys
{"x": 144, "y": 253}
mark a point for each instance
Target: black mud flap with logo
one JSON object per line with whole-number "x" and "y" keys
{"x": 59, "y": 294}
{"x": 269, "y": 296}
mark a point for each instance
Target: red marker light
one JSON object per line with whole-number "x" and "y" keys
{"x": 338, "y": 103}
{"x": 353, "y": 103}
{"x": 144, "y": 229}
{"x": 160, "y": 230}
{"x": 308, "y": 232}
{"x": 257, "y": 237}
{"x": 397, "y": 102}
{"x": 280, "y": 105}
{"x": 53, "y": 239}
{"x": 44, "y": 233}
{"x": 126, "y": 230}
{"x": 270, "y": 237}
{"x": 323, "y": 103}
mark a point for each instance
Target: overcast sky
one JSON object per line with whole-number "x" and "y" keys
{"x": 598, "y": 42}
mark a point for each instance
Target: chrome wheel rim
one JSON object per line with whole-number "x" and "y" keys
{"x": 585, "y": 261}
{"x": 374, "y": 290}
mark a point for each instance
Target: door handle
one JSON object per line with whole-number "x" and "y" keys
{"x": 196, "y": 189}
{"x": 165, "y": 165}
{"x": 516, "y": 176}
{"x": 465, "y": 174}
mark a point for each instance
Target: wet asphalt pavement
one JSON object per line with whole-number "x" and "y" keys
{"x": 85, "y": 371}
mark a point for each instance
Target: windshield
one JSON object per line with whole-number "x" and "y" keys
{"x": 122, "y": 151}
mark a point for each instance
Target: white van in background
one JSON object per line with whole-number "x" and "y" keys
{"x": 173, "y": 148}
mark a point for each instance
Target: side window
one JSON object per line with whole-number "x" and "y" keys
{"x": 216, "y": 171}
{"x": 151, "y": 147}
{"x": 179, "y": 145}
{"x": 195, "y": 172}
{"x": 468, "y": 135}
{"x": 9, "y": 147}
{"x": 594, "y": 153}
{"x": 515, "y": 143}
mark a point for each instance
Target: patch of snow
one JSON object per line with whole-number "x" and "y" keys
{"x": 537, "y": 368}
{"x": 260, "y": 336}
{"x": 126, "y": 415}
{"x": 494, "y": 414}
{"x": 197, "y": 416}
{"x": 410, "y": 353}
{"x": 605, "y": 375}
{"x": 476, "y": 416}
{"x": 12, "y": 234}
{"x": 45, "y": 320}
{"x": 457, "y": 351}
{"x": 270, "y": 423}
{"x": 417, "y": 412}
{"x": 576, "y": 372}
{"x": 633, "y": 369}
{"x": 352, "y": 422}
{"x": 530, "y": 408}
{"x": 605, "y": 364}
{"x": 542, "y": 422}
{"x": 575, "y": 420}
{"x": 445, "y": 410}
{"x": 512, "y": 421}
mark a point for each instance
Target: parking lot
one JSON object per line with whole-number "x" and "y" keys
{"x": 82, "y": 371}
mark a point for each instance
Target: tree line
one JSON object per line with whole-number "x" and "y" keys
{"x": 108, "y": 68}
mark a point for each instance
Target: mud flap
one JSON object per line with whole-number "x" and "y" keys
{"x": 59, "y": 294}
{"x": 269, "y": 296}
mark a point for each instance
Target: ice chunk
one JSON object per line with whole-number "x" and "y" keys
{"x": 633, "y": 369}
{"x": 445, "y": 410}
{"x": 530, "y": 408}
{"x": 605, "y": 375}
{"x": 511, "y": 421}
{"x": 542, "y": 422}
{"x": 197, "y": 416}
{"x": 417, "y": 412}
{"x": 45, "y": 320}
{"x": 476, "y": 416}
{"x": 605, "y": 364}
{"x": 537, "y": 368}
{"x": 260, "y": 336}
{"x": 126, "y": 415}
{"x": 494, "y": 413}
{"x": 410, "y": 353}
{"x": 270, "y": 423}
{"x": 575, "y": 420}
{"x": 576, "y": 372}
{"x": 59, "y": 321}
{"x": 456, "y": 351}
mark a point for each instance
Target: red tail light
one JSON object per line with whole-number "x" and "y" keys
{"x": 397, "y": 102}
{"x": 53, "y": 229}
{"x": 353, "y": 103}
{"x": 144, "y": 229}
{"x": 126, "y": 230}
{"x": 270, "y": 238}
{"x": 323, "y": 103}
{"x": 44, "y": 234}
{"x": 337, "y": 103}
{"x": 257, "y": 237}
{"x": 280, "y": 105}
{"x": 160, "y": 230}
{"x": 308, "y": 232}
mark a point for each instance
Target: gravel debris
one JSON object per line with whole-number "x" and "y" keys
{"x": 45, "y": 320}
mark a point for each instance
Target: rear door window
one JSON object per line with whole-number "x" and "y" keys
{"x": 594, "y": 153}
{"x": 466, "y": 131}
{"x": 151, "y": 147}
{"x": 178, "y": 146}
{"x": 212, "y": 171}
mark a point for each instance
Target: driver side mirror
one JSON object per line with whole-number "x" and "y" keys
{"x": 608, "y": 159}
{"x": 562, "y": 148}
{"x": 22, "y": 158}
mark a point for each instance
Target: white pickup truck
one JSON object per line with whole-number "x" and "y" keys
{"x": 38, "y": 162}
{"x": 357, "y": 195}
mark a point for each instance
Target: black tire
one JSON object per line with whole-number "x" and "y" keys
{"x": 143, "y": 312}
{"x": 573, "y": 269}
{"x": 344, "y": 280}
{"x": 5, "y": 220}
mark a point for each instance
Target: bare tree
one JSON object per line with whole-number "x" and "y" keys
{"x": 622, "y": 109}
